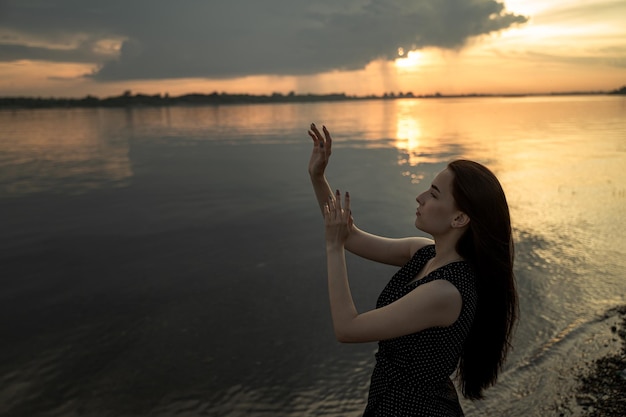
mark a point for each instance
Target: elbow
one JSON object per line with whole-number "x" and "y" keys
{"x": 343, "y": 336}
{"x": 346, "y": 327}
{"x": 341, "y": 339}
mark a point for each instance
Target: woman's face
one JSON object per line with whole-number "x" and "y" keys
{"x": 437, "y": 209}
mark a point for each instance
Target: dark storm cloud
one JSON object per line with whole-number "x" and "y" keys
{"x": 229, "y": 38}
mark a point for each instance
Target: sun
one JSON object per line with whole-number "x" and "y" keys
{"x": 410, "y": 59}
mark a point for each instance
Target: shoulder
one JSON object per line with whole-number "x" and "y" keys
{"x": 462, "y": 276}
{"x": 440, "y": 300}
{"x": 421, "y": 243}
{"x": 425, "y": 250}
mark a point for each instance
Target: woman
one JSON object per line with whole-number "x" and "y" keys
{"x": 451, "y": 306}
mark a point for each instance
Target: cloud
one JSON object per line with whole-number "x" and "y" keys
{"x": 160, "y": 39}
{"x": 84, "y": 52}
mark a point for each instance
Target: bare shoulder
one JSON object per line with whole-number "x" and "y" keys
{"x": 418, "y": 243}
{"x": 442, "y": 299}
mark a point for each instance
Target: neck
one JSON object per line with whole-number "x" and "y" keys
{"x": 445, "y": 248}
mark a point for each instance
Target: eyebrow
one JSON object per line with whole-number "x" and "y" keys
{"x": 435, "y": 187}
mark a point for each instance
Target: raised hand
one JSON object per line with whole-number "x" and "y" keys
{"x": 338, "y": 220}
{"x": 321, "y": 151}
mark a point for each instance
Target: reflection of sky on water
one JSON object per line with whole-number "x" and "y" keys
{"x": 552, "y": 155}
{"x": 562, "y": 174}
{"x": 190, "y": 183}
{"x": 62, "y": 150}
{"x": 560, "y": 160}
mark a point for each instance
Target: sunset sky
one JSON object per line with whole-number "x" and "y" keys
{"x": 70, "y": 48}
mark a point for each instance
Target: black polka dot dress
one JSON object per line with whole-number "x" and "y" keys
{"x": 412, "y": 372}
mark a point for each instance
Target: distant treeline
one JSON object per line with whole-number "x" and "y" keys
{"x": 127, "y": 99}
{"x": 619, "y": 91}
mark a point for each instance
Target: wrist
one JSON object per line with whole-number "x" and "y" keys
{"x": 317, "y": 177}
{"x": 334, "y": 248}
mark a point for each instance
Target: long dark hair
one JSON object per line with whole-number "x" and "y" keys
{"x": 487, "y": 245}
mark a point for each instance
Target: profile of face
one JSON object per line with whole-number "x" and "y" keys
{"x": 437, "y": 213}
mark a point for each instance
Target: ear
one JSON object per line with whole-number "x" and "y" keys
{"x": 460, "y": 220}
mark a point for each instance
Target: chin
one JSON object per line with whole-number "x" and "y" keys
{"x": 420, "y": 227}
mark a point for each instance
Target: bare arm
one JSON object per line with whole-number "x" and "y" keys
{"x": 390, "y": 251}
{"x": 376, "y": 248}
{"x": 437, "y": 303}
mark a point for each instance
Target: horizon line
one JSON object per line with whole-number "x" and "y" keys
{"x": 127, "y": 99}
{"x": 390, "y": 94}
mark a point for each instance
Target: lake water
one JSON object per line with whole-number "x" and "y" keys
{"x": 170, "y": 261}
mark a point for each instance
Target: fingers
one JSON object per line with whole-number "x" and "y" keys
{"x": 334, "y": 207}
{"x": 330, "y": 207}
{"x": 338, "y": 219}
{"x": 329, "y": 140}
{"x": 315, "y": 134}
{"x": 323, "y": 142}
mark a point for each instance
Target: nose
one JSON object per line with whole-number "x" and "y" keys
{"x": 422, "y": 198}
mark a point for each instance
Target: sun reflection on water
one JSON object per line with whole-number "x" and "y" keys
{"x": 408, "y": 131}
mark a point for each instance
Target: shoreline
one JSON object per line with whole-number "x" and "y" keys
{"x": 129, "y": 100}
{"x": 582, "y": 374}
{"x": 601, "y": 391}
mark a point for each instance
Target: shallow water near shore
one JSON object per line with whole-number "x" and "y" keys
{"x": 170, "y": 261}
